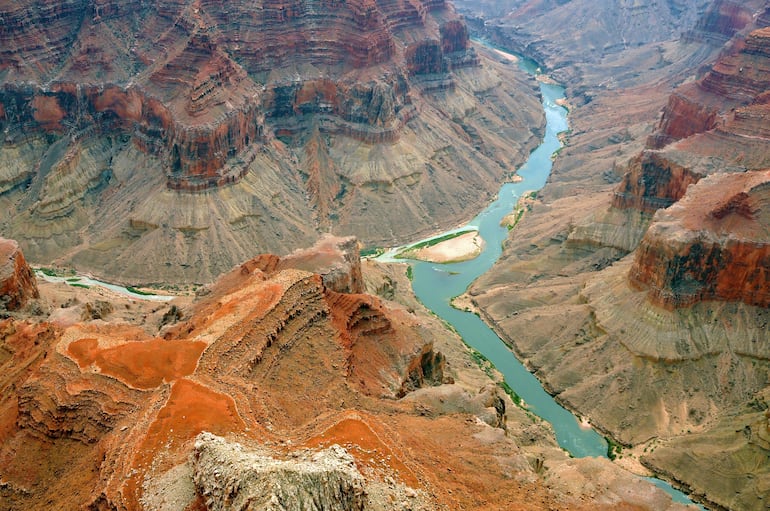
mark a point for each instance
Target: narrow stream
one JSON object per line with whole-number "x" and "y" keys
{"x": 86, "y": 281}
{"x": 436, "y": 284}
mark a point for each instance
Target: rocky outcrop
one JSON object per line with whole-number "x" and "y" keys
{"x": 711, "y": 245}
{"x": 335, "y": 258}
{"x": 709, "y": 126}
{"x": 737, "y": 79}
{"x": 722, "y": 20}
{"x": 17, "y": 282}
{"x": 653, "y": 182}
{"x": 230, "y": 476}
{"x": 248, "y": 398}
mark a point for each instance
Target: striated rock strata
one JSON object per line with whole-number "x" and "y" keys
{"x": 207, "y": 129}
{"x": 712, "y": 125}
{"x": 714, "y": 244}
{"x": 657, "y": 336}
{"x": 17, "y": 282}
{"x": 272, "y": 391}
{"x": 328, "y": 478}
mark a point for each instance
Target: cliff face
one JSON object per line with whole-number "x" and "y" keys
{"x": 722, "y": 20}
{"x": 281, "y": 331}
{"x": 17, "y": 282}
{"x": 653, "y": 183}
{"x": 712, "y": 125}
{"x": 138, "y": 109}
{"x": 711, "y": 245}
{"x": 193, "y": 89}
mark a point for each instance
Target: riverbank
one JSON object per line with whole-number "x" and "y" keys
{"x": 464, "y": 247}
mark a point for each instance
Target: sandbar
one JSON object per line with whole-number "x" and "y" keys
{"x": 462, "y": 248}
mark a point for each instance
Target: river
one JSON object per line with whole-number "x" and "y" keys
{"x": 82, "y": 280}
{"x": 436, "y": 284}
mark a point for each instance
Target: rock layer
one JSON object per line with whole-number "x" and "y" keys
{"x": 714, "y": 244}
{"x": 17, "y": 282}
{"x": 139, "y": 109}
{"x": 273, "y": 391}
{"x": 659, "y": 336}
{"x": 328, "y": 479}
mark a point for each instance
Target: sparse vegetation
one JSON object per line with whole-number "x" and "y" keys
{"x": 523, "y": 205}
{"x": 487, "y": 366}
{"x": 411, "y": 249}
{"x": 512, "y": 393}
{"x": 136, "y": 291}
{"x": 75, "y": 284}
{"x": 55, "y": 272}
{"x": 409, "y": 273}
{"x": 371, "y": 252}
{"x": 614, "y": 449}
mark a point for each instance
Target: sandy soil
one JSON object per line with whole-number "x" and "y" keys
{"x": 462, "y": 248}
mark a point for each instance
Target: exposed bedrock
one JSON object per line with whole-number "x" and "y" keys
{"x": 231, "y": 476}
{"x": 738, "y": 78}
{"x": 714, "y": 244}
{"x": 722, "y": 20}
{"x": 199, "y": 97}
{"x": 206, "y": 130}
{"x": 714, "y": 125}
{"x": 652, "y": 182}
{"x": 17, "y": 282}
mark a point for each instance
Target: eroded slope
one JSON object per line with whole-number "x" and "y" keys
{"x": 189, "y": 133}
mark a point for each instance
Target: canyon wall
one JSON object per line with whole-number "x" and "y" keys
{"x": 711, "y": 245}
{"x": 636, "y": 287}
{"x": 193, "y": 132}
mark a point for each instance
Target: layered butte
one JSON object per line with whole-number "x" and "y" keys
{"x": 190, "y": 132}
{"x": 714, "y": 244}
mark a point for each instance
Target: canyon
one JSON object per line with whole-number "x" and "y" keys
{"x": 168, "y": 143}
{"x": 635, "y": 287}
{"x": 195, "y": 134}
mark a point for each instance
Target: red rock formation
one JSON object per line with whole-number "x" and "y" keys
{"x": 736, "y": 79}
{"x": 653, "y": 182}
{"x": 200, "y": 85}
{"x": 268, "y": 342}
{"x": 721, "y": 22}
{"x": 17, "y": 282}
{"x": 714, "y": 244}
{"x": 335, "y": 259}
{"x": 722, "y": 116}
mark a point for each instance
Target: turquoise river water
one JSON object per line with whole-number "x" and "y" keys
{"x": 436, "y": 284}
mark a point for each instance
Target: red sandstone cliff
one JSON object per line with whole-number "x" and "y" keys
{"x": 714, "y": 244}
{"x": 245, "y": 397}
{"x": 196, "y": 133}
{"x": 17, "y": 282}
{"x": 715, "y": 124}
{"x": 267, "y": 352}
